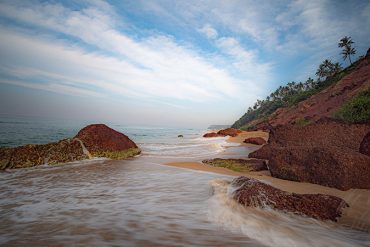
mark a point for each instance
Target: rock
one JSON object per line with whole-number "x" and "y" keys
{"x": 255, "y": 140}
{"x": 325, "y": 153}
{"x": 33, "y": 155}
{"x": 180, "y": 136}
{"x": 100, "y": 141}
{"x": 253, "y": 193}
{"x": 229, "y": 132}
{"x": 365, "y": 145}
{"x": 238, "y": 165}
{"x": 212, "y": 134}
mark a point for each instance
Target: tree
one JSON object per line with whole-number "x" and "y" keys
{"x": 328, "y": 69}
{"x": 347, "y": 49}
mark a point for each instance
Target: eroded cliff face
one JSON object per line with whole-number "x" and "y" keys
{"x": 326, "y": 102}
{"x": 97, "y": 140}
{"x": 326, "y": 152}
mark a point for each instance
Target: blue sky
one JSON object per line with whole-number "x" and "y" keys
{"x": 169, "y": 63}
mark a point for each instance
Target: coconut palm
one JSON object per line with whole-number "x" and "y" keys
{"x": 348, "y": 50}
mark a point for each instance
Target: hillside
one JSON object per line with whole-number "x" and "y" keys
{"x": 304, "y": 103}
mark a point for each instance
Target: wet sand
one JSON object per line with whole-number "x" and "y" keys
{"x": 357, "y": 215}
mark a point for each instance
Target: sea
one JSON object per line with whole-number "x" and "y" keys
{"x": 141, "y": 201}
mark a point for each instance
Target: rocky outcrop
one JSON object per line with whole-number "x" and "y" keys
{"x": 238, "y": 165}
{"x": 253, "y": 193}
{"x": 229, "y": 132}
{"x": 365, "y": 145}
{"x": 212, "y": 134}
{"x": 225, "y": 132}
{"x": 255, "y": 140}
{"x": 33, "y": 155}
{"x": 325, "y": 153}
{"x": 97, "y": 140}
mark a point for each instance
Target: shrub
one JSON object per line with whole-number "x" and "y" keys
{"x": 357, "y": 110}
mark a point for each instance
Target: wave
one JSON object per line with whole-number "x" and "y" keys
{"x": 274, "y": 228}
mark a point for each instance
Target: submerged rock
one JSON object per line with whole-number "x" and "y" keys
{"x": 253, "y": 193}
{"x": 238, "y": 165}
{"x": 325, "y": 153}
{"x": 99, "y": 141}
{"x": 179, "y": 136}
{"x": 255, "y": 140}
{"x": 33, "y": 155}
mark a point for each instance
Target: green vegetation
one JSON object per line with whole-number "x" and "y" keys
{"x": 328, "y": 69}
{"x": 348, "y": 50}
{"x": 292, "y": 93}
{"x": 302, "y": 122}
{"x": 357, "y": 110}
{"x": 117, "y": 155}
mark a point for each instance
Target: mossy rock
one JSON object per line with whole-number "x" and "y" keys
{"x": 117, "y": 155}
{"x": 238, "y": 165}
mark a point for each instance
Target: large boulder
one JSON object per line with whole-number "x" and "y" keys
{"x": 92, "y": 141}
{"x": 253, "y": 193}
{"x": 255, "y": 140}
{"x": 102, "y": 141}
{"x": 325, "y": 153}
{"x": 212, "y": 134}
{"x": 229, "y": 132}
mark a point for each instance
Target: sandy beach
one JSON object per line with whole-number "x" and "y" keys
{"x": 357, "y": 215}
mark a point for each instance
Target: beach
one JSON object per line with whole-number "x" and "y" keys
{"x": 357, "y": 215}
{"x": 162, "y": 196}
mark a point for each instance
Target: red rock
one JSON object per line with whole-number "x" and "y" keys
{"x": 99, "y": 137}
{"x": 325, "y": 153}
{"x": 255, "y": 140}
{"x": 212, "y": 134}
{"x": 365, "y": 144}
{"x": 229, "y": 132}
{"x": 100, "y": 141}
{"x": 253, "y": 193}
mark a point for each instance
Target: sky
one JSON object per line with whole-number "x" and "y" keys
{"x": 178, "y": 63}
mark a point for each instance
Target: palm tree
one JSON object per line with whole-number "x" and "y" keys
{"x": 337, "y": 68}
{"x": 321, "y": 71}
{"x": 348, "y": 50}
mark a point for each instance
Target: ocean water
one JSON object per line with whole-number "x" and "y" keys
{"x": 141, "y": 202}
{"x": 154, "y": 141}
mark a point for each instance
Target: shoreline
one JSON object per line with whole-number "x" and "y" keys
{"x": 356, "y": 216}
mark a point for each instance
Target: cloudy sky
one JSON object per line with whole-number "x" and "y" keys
{"x": 170, "y": 63}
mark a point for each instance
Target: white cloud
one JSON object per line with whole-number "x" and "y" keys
{"x": 209, "y": 31}
{"x": 152, "y": 67}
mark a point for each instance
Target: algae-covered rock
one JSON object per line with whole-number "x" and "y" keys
{"x": 238, "y": 165}
{"x": 96, "y": 140}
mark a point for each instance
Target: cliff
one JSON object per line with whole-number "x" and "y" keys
{"x": 325, "y": 99}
